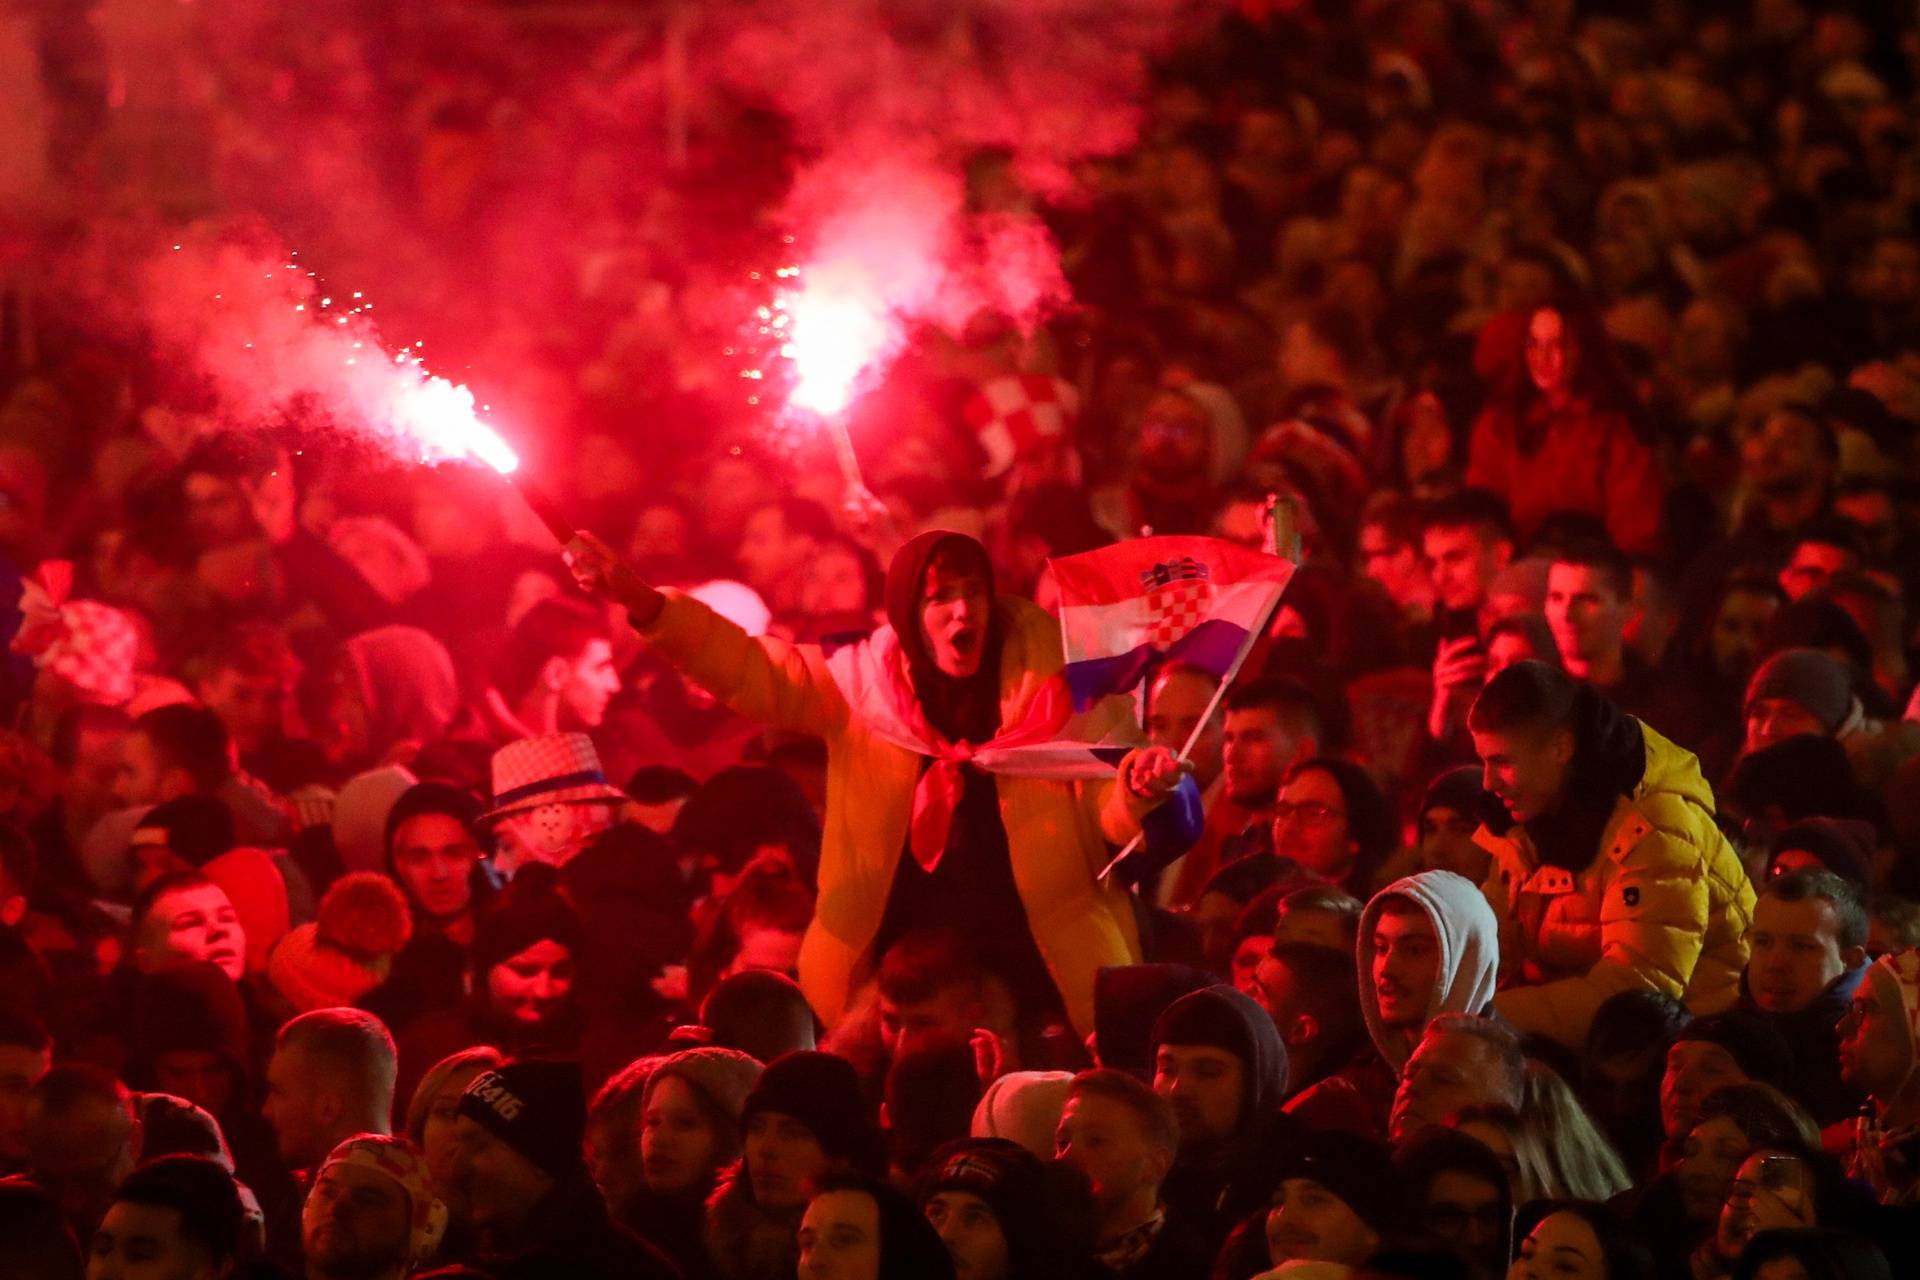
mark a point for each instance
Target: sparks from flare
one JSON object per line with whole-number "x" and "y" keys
{"x": 423, "y": 416}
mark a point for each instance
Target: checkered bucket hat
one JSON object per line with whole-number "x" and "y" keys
{"x": 556, "y": 768}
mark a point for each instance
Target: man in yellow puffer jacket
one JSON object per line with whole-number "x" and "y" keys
{"x": 1609, "y": 873}
{"x": 957, "y": 664}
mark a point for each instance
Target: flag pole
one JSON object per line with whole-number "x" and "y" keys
{"x": 1279, "y": 514}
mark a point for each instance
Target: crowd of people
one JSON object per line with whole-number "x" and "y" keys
{"x": 384, "y": 892}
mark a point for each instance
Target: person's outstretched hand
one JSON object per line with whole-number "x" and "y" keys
{"x": 601, "y": 571}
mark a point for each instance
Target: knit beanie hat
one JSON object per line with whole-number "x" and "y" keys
{"x": 401, "y": 1162}
{"x": 1806, "y": 776}
{"x": 529, "y": 910}
{"x": 1024, "y": 1107}
{"x": 348, "y": 950}
{"x": 1225, "y": 1017}
{"x": 1808, "y": 679}
{"x": 1456, "y": 789}
{"x": 1011, "y": 1180}
{"x": 189, "y": 1005}
{"x": 822, "y": 1092}
{"x": 1360, "y": 1172}
{"x": 360, "y": 810}
{"x": 171, "y": 1126}
{"x": 1213, "y": 1022}
{"x": 1844, "y": 846}
{"x": 722, "y": 1077}
{"x": 537, "y": 1107}
{"x": 196, "y": 829}
{"x": 430, "y": 797}
{"x": 1752, "y": 1040}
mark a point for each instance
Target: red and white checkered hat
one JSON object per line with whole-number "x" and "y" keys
{"x": 1021, "y": 414}
{"x": 399, "y": 1160}
{"x": 93, "y": 646}
{"x": 555, "y": 768}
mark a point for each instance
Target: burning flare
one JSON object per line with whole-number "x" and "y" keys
{"x": 838, "y": 328}
{"x": 440, "y": 418}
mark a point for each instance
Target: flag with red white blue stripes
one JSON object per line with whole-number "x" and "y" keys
{"x": 1128, "y": 608}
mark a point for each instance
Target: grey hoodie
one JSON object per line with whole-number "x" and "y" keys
{"x": 1469, "y": 937}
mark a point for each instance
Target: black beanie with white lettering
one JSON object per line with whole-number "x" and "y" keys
{"x": 537, "y": 1107}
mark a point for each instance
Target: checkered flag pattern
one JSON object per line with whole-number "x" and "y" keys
{"x": 1177, "y": 608}
{"x": 1018, "y": 415}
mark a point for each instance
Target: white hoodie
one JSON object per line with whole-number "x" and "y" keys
{"x": 1469, "y": 937}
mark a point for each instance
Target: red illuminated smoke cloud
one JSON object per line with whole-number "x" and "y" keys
{"x": 247, "y": 319}
{"x": 890, "y": 101}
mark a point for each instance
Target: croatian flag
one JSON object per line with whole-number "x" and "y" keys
{"x": 1127, "y": 608}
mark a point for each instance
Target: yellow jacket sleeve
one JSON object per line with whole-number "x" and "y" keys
{"x": 1653, "y": 922}
{"x": 763, "y": 678}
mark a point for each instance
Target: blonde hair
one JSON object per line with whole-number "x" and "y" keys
{"x": 1558, "y": 1153}
{"x": 481, "y": 1057}
{"x": 1580, "y": 1161}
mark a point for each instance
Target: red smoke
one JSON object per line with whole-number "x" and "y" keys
{"x": 894, "y": 102}
{"x": 272, "y": 344}
{"x": 563, "y": 213}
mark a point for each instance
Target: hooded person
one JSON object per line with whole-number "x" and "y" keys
{"x": 519, "y": 1180}
{"x": 1609, "y": 871}
{"x": 1429, "y": 944}
{"x": 806, "y": 1117}
{"x": 408, "y": 690}
{"x": 433, "y": 854}
{"x": 442, "y": 872}
{"x": 932, "y": 814}
{"x": 688, "y": 1129}
{"x": 1220, "y": 1061}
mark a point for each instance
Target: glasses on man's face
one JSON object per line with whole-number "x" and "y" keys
{"x": 1310, "y": 813}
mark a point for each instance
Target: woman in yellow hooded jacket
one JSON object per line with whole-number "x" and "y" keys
{"x": 926, "y": 822}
